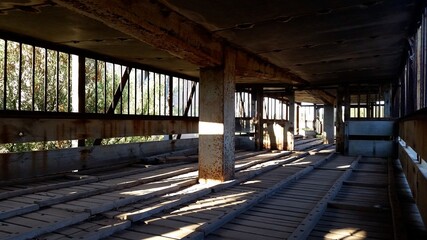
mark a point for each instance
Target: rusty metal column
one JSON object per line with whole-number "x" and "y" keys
{"x": 328, "y": 123}
{"x": 216, "y": 124}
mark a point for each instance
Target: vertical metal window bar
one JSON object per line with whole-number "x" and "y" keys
{"x": 136, "y": 90}
{"x": 179, "y": 96}
{"x": 148, "y": 93}
{"x": 33, "y": 77}
{"x": 154, "y": 94}
{"x": 170, "y": 102}
{"x": 105, "y": 88}
{"x": 159, "y": 89}
{"x": 160, "y": 86}
{"x": 5, "y": 75}
{"x": 113, "y": 86}
{"x": 57, "y": 83}
{"x": 165, "y": 94}
{"x": 45, "y": 80}
{"x": 129, "y": 82}
{"x": 142, "y": 91}
{"x": 121, "y": 90}
{"x": 96, "y": 86}
{"x": 20, "y": 77}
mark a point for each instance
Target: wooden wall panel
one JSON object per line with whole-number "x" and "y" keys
{"x": 416, "y": 174}
{"x": 414, "y": 133}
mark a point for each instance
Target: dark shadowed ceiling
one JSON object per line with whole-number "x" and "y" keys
{"x": 322, "y": 42}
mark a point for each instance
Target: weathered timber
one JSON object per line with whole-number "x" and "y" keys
{"x": 416, "y": 175}
{"x": 413, "y": 131}
{"x": 46, "y": 127}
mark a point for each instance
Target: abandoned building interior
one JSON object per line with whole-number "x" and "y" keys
{"x": 220, "y": 119}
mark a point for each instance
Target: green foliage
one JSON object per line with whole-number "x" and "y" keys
{"x": 38, "y": 79}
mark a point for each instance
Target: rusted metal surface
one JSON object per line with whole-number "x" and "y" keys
{"x": 46, "y": 127}
{"x": 42, "y": 163}
{"x": 157, "y": 26}
{"x": 217, "y": 123}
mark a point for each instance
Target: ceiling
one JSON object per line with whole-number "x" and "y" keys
{"x": 322, "y": 42}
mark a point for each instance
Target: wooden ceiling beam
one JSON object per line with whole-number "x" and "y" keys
{"x": 159, "y": 26}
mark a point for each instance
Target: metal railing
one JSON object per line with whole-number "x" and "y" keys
{"x": 41, "y": 79}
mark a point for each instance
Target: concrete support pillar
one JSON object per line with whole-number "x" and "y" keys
{"x": 296, "y": 124}
{"x": 339, "y": 121}
{"x": 216, "y": 122}
{"x": 315, "y": 116}
{"x": 387, "y": 92}
{"x": 347, "y": 103}
{"x": 289, "y": 128}
{"x": 328, "y": 124}
{"x": 259, "y": 125}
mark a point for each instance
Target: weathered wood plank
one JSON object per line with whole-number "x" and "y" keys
{"x": 9, "y": 210}
{"x": 290, "y": 213}
{"x": 265, "y": 218}
{"x": 261, "y": 225}
{"x": 232, "y": 234}
{"x": 353, "y": 235}
{"x": 174, "y": 223}
{"x": 371, "y": 226}
{"x": 166, "y": 231}
{"x": 410, "y": 130}
{"x": 97, "y": 229}
{"x": 309, "y": 222}
{"x": 275, "y": 233}
{"x": 132, "y": 235}
{"x": 37, "y": 228}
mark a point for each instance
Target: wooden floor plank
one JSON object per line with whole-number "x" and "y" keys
{"x": 262, "y": 218}
{"x": 175, "y": 223}
{"x": 352, "y": 222}
{"x": 163, "y": 231}
{"x": 254, "y": 230}
{"x": 231, "y": 234}
{"x": 329, "y": 235}
{"x": 132, "y": 235}
{"x": 257, "y": 224}
{"x": 352, "y": 231}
